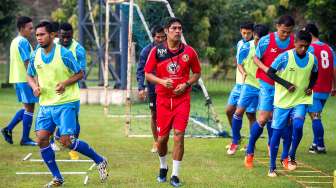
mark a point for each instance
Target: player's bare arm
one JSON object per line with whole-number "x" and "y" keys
{"x": 260, "y": 64}
{"x": 60, "y": 87}
{"x": 34, "y": 85}
{"x": 181, "y": 88}
{"x": 168, "y": 83}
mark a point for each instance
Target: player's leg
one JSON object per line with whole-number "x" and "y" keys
{"x": 65, "y": 117}
{"x": 298, "y": 118}
{"x": 73, "y": 154}
{"x": 232, "y": 103}
{"x": 280, "y": 119}
{"x": 44, "y": 128}
{"x": 286, "y": 135}
{"x": 7, "y": 131}
{"x": 164, "y": 118}
{"x": 245, "y": 99}
{"x": 180, "y": 123}
{"x": 315, "y": 111}
{"x": 152, "y": 107}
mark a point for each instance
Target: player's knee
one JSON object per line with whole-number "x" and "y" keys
{"x": 42, "y": 141}
{"x": 239, "y": 112}
{"x": 316, "y": 115}
{"x": 298, "y": 122}
{"x": 262, "y": 120}
{"x": 229, "y": 111}
{"x": 179, "y": 137}
{"x": 251, "y": 115}
{"x": 66, "y": 141}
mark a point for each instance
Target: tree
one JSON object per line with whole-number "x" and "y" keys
{"x": 8, "y": 10}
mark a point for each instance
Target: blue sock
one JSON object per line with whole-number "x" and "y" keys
{"x": 269, "y": 131}
{"x": 27, "y": 121}
{"x": 83, "y": 148}
{"x": 286, "y": 135}
{"x": 16, "y": 119}
{"x": 318, "y": 132}
{"x": 274, "y": 147}
{"x": 48, "y": 157}
{"x": 236, "y": 126}
{"x": 256, "y": 131}
{"x": 296, "y": 136}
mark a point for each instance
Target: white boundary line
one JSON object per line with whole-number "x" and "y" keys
{"x": 91, "y": 167}
{"x": 47, "y": 173}
{"x": 316, "y": 182}
{"x": 27, "y": 156}
{"x": 86, "y": 179}
{"x": 64, "y": 160}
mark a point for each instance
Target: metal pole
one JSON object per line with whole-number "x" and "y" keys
{"x": 129, "y": 68}
{"x": 107, "y": 39}
{"x": 81, "y": 17}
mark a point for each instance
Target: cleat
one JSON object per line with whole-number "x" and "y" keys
{"x": 73, "y": 155}
{"x": 292, "y": 165}
{"x": 233, "y": 149}
{"x": 321, "y": 150}
{"x": 28, "y": 142}
{"x": 285, "y": 163}
{"x": 162, "y": 175}
{"x": 55, "y": 183}
{"x": 55, "y": 147}
{"x": 103, "y": 170}
{"x": 313, "y": 149}
{"x": 154, "y": 148}
{"x": 7, "y": 135}
{"x": 248, "y": 161}
{"x": 272, "y": 174}
{"x": 175, "y": 182}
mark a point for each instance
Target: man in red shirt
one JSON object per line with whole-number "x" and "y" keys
{"x": 172, "y": 61}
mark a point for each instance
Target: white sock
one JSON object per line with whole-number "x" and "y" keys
{"x": 176, "y": 167}
{"x": 163, "y": 162}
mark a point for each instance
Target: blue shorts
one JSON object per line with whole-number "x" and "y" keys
{"x": 249, "y": 98}
{"x": 25, "y": 93}
{"x": 281, "y": 116}
{"x": 234, "y": 95}
{"x": 62, "y": 116}
{"x": 317, "y": 105}
{"x": 266, "y": 97}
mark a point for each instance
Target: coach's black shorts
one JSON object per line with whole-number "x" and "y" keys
{"x": 152, "y": 102}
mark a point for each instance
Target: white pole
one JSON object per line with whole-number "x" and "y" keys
{"x": 129, "y": 68}
{"x": 107, "y": 27}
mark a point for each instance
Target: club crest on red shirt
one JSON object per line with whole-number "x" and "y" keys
{"x": 173, "y": 67}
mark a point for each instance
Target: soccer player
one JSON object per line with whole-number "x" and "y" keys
{"x": 325, "y": 85}
{"x": 295, "y": 73}
{"x": 57, "y": 87}
{"x": 172, "y": 62}
{"x": 158, "y": 37}
{"x": 268, "y": 48}
{"x": 78, "y": 51}
{"x": 246, "y": 31}
{"x": 20, "y": 50}
{"x": 250, "y": 89}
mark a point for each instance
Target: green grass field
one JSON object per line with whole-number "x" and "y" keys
{"x": 205, "y": 163}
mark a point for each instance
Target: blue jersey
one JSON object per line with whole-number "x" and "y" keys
{"x": 140, "y": 73}
{"x": 243, "y": 53}
{"x": 67, "y": 57}
{"x": 24, "y": 49}
{"x": 265, "y": 41}
{"x": 81, "y": 57}
{"x": 281, "y": 61}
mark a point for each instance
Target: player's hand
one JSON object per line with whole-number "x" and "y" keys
{"x": 180, "y": 89}
{"x": 333, "y": 92}
{"x": 168, "y": 83}
{"x": 60, "y": 88}
{"x": 142, "y": 94}
{"x": 244, "y": 76}
{"x": 37, "y": 91}
{"x": 291, "y": 88}
{"x": 308, "y": 91}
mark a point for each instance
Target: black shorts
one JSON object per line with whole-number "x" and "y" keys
{"x": 152, "y": 102}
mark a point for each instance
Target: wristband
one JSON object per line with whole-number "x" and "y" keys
{"x": 188, "y": 84}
